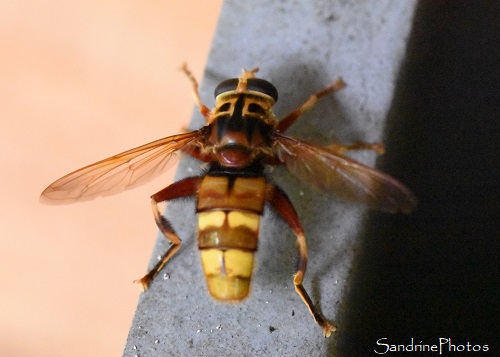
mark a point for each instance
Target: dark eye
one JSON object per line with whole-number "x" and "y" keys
{"x": 224, "y": 107}
{"x": 255, "y": 108}
{"x": 263, "y": 86}
{"x": 226, "y": 86}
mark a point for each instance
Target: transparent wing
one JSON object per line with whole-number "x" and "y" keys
{"x": 346, "y": 178}
{"x": 120, "y": 172}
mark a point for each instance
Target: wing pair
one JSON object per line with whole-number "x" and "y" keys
{"x": 328, "y": 170}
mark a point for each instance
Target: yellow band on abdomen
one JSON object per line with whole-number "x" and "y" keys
{"x": 211, "y": 219}
{"x": 228, "y": 273}
{"x": 246, "y": 219}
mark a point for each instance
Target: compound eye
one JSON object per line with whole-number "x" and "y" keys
{"x": 226, "y": 86}
{"x": 253, "y": 84}
{"x": 263, "y": 86}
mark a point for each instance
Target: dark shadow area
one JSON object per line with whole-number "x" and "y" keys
{"x": 435, "y": 273}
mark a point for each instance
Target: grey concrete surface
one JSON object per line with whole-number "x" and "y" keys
{"x": 375, "y": 275}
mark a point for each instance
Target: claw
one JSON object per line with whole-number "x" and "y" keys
{"x": 328, "y": 328}
{"x": 143, "y": 283}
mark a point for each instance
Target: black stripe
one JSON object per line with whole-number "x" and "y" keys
{"x": 255, "y": 169}
{"x": 235, "y": 122}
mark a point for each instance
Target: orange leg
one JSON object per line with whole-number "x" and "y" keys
{"x": 341, "y": 148}
{"x": 282, "y": 205}
{"x": 289, "y": 119}
{"x": 204, "y": 110}
{"x": 184, "y": 188}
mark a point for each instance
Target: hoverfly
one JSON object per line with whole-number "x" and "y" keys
{"x": 242, "y": 137}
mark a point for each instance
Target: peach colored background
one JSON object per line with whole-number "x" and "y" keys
{"x": 81, "y": 81}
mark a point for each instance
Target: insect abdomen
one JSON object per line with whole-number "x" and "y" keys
{"x": 229, "y": 210}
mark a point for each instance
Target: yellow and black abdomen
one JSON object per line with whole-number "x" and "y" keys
{"x": 229, "y": 209}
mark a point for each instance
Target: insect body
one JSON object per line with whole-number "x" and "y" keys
{"x": 241, "y": 138}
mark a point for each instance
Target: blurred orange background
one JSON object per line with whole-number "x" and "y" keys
{"x": 81, "y": 81}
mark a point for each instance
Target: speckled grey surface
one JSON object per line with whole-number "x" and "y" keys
{"x": 302, "y": 46}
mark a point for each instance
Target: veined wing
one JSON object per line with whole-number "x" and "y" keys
{"x": 346, "y": 178}
{"x": 120, "y": 172}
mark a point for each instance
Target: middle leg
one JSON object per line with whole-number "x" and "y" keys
{"x": 378, "y": 147}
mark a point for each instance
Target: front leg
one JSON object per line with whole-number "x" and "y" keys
{"x": 289, "y": 119}
{"x": 282, "y": 205}
{"x": 184, "y": 188}
{"x": 204, "y": 110}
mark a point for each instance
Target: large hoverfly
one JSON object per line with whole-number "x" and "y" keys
{"x": 242, "y": 136}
